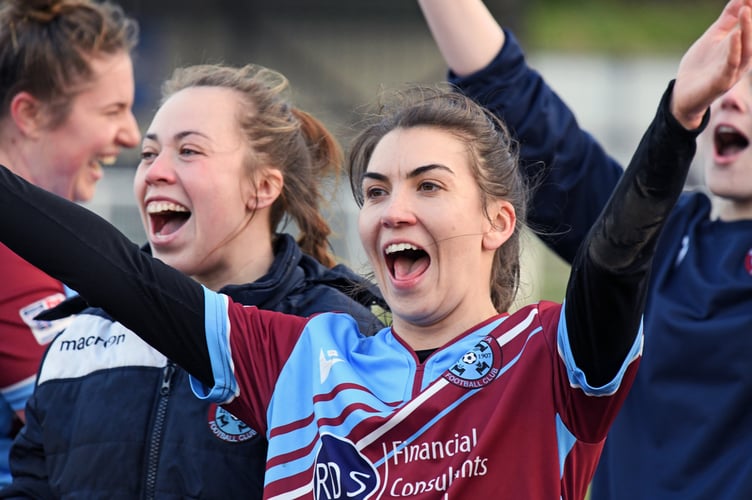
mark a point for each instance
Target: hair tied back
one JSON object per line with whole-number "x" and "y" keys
{"x": 40, "y": 11}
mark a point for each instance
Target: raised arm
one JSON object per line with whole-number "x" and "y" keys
{"x": 573, "y": 173}
{"x": 466, "y": 33}
{"x": 608, "y": 285}
{"x": 164, "y": 306}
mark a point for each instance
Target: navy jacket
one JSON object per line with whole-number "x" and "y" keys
{"x": 685, "y": 430}
{"x": 112, "y": 418}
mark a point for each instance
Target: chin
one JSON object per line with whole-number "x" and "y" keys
{"x": 83, "y": 195}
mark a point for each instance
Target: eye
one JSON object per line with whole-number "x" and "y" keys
{"x": 374, "y": 192}
{"x": 148, "y": 155}
{"x": 428, "y": 186}
{"x": 117, "y": 110}
{"x": 187, "y": 151}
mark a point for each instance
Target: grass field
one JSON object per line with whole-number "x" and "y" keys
{"x": 617, "y": 27}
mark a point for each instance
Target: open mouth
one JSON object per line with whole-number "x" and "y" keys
{"x": 107, "y": 160}
{"x": 729, "y": 141}
{"x": 406, "y": 261}
{"x": 166, "y": 217}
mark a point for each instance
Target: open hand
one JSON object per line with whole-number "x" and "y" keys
{"x": 713, "y": 64}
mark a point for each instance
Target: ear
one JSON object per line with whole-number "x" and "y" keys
{"x": 501, "y": 224}
{"x": 268, "y": 184}
{"x": 27, "y": 113}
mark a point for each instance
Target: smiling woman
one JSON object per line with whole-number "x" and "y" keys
{"x": 542, "y": 384}
{"x": 226, "y": 156}
{"x": 66, "y": 93}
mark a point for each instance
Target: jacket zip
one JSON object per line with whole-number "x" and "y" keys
{"x": 155, "y": 442}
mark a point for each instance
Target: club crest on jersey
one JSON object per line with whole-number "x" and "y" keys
{"x": 341, "y": 471}
{"x": 477, "y": 367}
{"x": 227, "y": 427}
{"x": 44, "y": 331}
{"x": 748, "y": 262}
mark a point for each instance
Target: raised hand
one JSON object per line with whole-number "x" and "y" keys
{"x": 714, "y": 63}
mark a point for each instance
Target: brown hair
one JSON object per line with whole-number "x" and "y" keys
{"x": 279, "y": 135}
{"x": 46, "y": 47}
{"x": 491, "y": 150}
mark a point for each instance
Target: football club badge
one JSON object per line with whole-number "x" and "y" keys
{"x": 477, "y": 367}
{"x": 227, "y": 427}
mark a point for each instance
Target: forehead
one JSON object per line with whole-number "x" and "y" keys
{"x": 209, "y": 110}
{"x": 111, "y": 78}
{"x": 402, "y": 150}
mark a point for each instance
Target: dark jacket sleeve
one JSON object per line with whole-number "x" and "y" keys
{"x": 159, "y": 303}
{"x": 27, "y": 461}
{"x": 572, "y": 175}
{"x": 608, "y": 285}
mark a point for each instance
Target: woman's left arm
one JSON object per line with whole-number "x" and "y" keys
{"x": 84, "y": 251}
{"x": 608, "y": 284}
{"x": 610, "y": 275}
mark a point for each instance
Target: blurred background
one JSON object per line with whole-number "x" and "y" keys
{"x": 609, "y": 59}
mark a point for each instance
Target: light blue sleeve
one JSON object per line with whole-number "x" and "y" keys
{"x": 217, "y": 325}
{"x": 577, "y": 376}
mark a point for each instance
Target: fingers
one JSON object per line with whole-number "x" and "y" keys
{"x": 739, "y": 40}
{"x": 745, "y": 28}
{"x": 714, "y": 63}
{"x": 731, "y": 12}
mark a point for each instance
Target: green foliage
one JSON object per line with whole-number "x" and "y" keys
{"x": 619, "y": 27}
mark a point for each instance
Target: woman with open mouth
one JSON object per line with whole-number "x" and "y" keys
{"x": 67, "y": 92}
{"x": 686, "y": 425}
{"x": 226, "y": 159}
{"x": 458, "y": 398}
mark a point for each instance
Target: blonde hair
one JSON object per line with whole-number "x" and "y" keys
{"x": 280, "y": 135}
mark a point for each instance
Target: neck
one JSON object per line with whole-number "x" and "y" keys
{"x": 732, "y": 210}
{"x": 240, "y": 263}
{"x": 13, "y": 158}
{"x": 435, "y": 334}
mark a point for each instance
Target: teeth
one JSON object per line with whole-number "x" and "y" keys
{"x": 108, "y": 160}
{"x": 398, "y": 247}
{"x": 156, "y": 207}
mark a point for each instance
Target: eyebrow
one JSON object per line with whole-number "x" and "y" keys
{"x": 412, "y": 174}
{"x": 180, "y": 135}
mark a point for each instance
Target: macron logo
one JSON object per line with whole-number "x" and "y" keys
{"x": 326, "y": 362}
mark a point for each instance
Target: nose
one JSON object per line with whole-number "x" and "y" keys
{"x": 397, "y": 211}
{"x": 159, "y": 170}
{"x": 737, "y": 98}
{"x": 129, "y": 135}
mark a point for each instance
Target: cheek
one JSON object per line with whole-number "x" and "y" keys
{"x": 139, "y": 184}
{"x": 87, "y": 136}
{"x": 705, "y": 140}
{"x": 367, "y": 227}
{"x": 61, "y": 156}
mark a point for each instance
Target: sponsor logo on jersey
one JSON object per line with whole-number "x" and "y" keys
{"x": 326, "y": 362}
{"x": 44, "y": 331}
{"x": 748, "y": 262}
{"x": 227, "y": 427}
{"x": 342, "y": 472}
{"x": 477, "y": 367}
{"x": 82, "y": 343}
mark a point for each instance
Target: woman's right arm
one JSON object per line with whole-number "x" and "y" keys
{"x": 165, "y": 307}
{"x": 27, "y": 461}
{"x": 573, "y": 174}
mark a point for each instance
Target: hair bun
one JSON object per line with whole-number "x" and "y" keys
{"x": 41, "y": 11}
